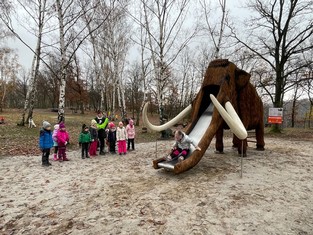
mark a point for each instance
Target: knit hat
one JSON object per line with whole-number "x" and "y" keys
{"x": 84, "y": 126}
{"x": 46, "y": 124}
{"x": 111, "y": 125}
{"x": 62, "y": 125}
{"x": 93, "y": 122}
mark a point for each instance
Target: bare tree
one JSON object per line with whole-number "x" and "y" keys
{"x": 308, "y": 87}
{"x": 8, "y": 73}
{"x": 5, "y": 10}
{"x": 116, "y": 45}
{"x": 164, "y": 23}
{"x": 298, "y": 92}
{"x": 280, "y": 32}
{"x": 37, "y": 12}
{"x": 216, "y": 30}
{"x": 73, "y": 30}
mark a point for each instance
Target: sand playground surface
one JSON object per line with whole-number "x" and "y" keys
{"x": 115, "y": 194}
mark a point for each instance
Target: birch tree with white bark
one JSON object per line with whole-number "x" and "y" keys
{"x": 166, "y": 36}
{"x": 113, "y": 45}
{"x": 35, "y": 12}
{"x": 73, "y": 31}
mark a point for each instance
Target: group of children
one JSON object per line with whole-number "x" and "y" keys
{"x": 88, "y": 140}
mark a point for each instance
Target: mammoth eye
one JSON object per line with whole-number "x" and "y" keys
{"x": 227, "y": 78}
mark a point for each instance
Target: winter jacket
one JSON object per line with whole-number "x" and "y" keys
{"x": 45, "y": 139}
{"x": 101, "y": 125}
{"x": 84, "y": 137}
{"x": 62, "y": 137}
{"x": 130, "y": 130}
{"x": 93, "y": 133}
{"x": 185, "y": 142}
{"x": 54, "y": 135}
{"x": 121, "y": 134}
{"x": 112, "y": 135}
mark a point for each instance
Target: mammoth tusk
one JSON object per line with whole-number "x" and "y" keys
{"x": 231, "y": 118}
{"x": 167, "y": 125}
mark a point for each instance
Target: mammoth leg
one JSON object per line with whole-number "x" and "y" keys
{"x": 219, "y": 146}
{"x": 236, "y": 142}
{"x": 259, "y": 134}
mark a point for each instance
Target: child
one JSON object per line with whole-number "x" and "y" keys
{"x": 121, "y": 138}
{"x": 62, "y": 139}
{"x": 55, "y": 143}
{"x": 112, "y": 138}
{"x": 94, "y": 138}
{"x": 45, "y": 142}
{"x": 181, "y": 147}
{"x": 84, "y": 140}
{"x": 130, "y": 130}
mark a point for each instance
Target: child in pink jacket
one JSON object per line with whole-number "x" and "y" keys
{"x": 63, "y": 139}
{"x": 130, "y": 134}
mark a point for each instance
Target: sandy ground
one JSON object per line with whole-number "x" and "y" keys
{"x": 125, "y": 195}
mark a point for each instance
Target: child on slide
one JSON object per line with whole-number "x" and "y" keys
{"x": 181, "y": 147}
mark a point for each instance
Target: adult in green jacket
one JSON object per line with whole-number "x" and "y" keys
{"x": 102, "y": 122}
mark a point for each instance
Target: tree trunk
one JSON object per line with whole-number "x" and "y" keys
{"x": 61, "y": 113}
{"x": 31, "y": 92}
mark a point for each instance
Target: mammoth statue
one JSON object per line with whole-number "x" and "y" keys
{"x": 228, "y": 84}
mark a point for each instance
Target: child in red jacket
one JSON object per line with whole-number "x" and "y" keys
{"x": 63, "y": 139}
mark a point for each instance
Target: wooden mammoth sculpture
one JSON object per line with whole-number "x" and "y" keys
{"x": 229, "y": 84}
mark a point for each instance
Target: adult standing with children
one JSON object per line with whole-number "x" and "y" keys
{"x": 102, "y": 122}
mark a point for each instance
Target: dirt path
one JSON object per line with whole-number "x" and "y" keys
{"x": 125, "y": 195}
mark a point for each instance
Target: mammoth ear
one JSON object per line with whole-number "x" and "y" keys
{"x": 242, "y": 77}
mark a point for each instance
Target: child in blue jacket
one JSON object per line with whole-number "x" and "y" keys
{"x": 45, "y": 142}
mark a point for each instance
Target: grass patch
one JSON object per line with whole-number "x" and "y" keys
{"x": 17, "y": 140}
{"x": 21, "y": 140}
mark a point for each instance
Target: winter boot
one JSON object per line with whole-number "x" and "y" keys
{"x": 43, "y": 160}
{"x": 55, "y": 158}
{"x": 48, "y": 163}
{"x": 65, "y": 158}
{"x": 60, "y": 158}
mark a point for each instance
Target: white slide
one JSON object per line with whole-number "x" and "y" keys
{"x": 196, "y": 134}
